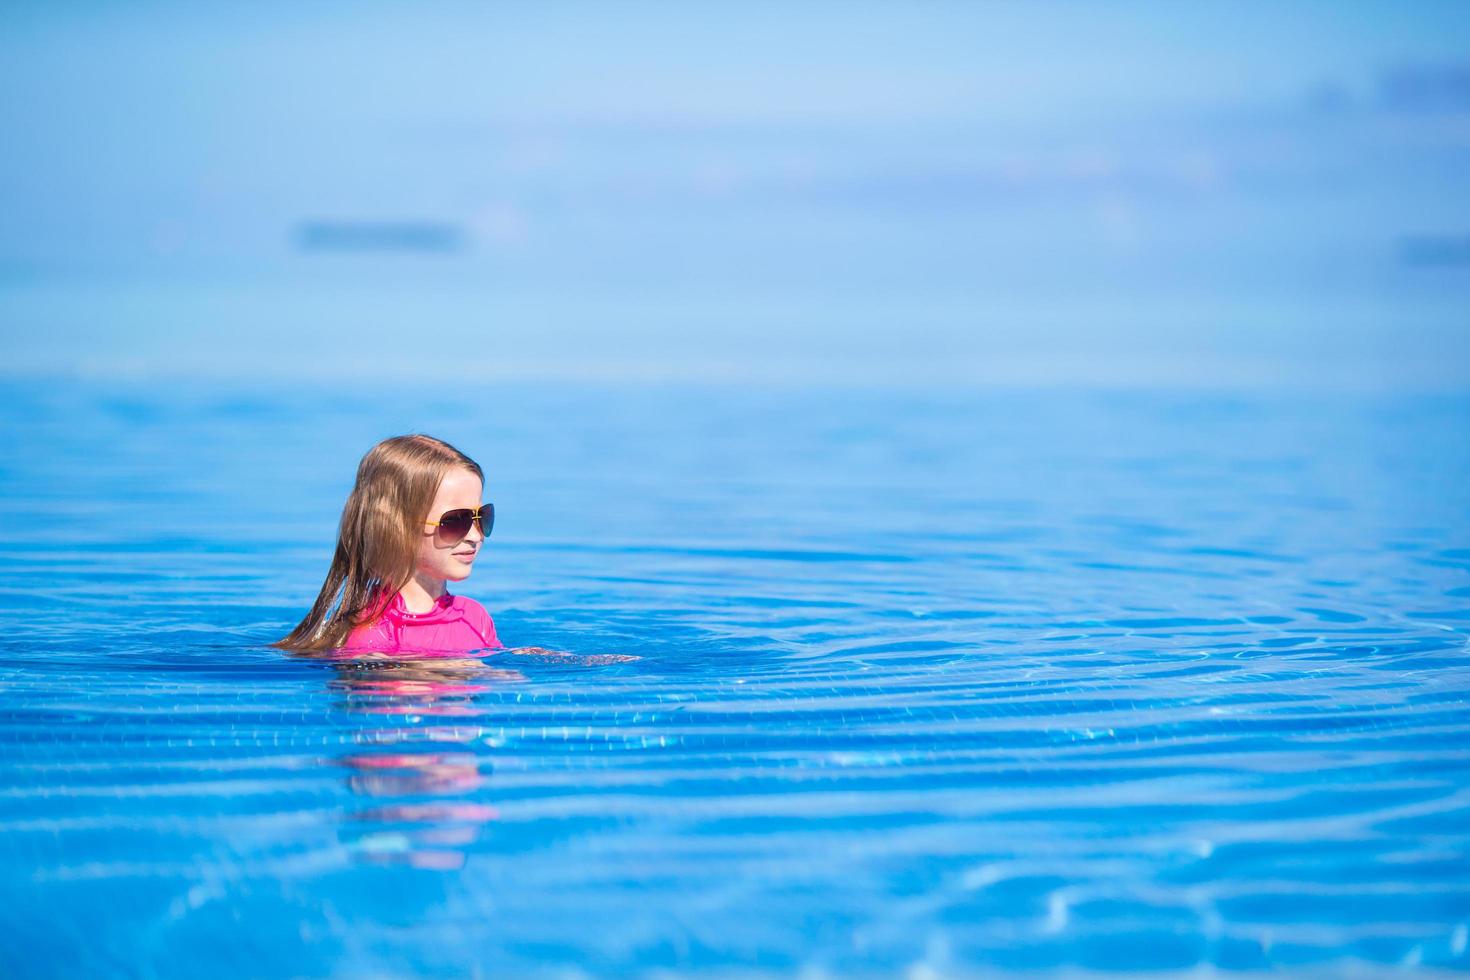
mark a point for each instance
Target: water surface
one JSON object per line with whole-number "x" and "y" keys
{"x": 929, "y": 682}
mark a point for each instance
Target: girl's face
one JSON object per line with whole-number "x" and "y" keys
{"x": 460, "y": 488}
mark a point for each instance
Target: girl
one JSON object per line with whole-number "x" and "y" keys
{"x": 413, "y": 521}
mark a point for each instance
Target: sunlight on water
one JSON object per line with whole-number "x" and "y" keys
{"x": 926, "y": 682}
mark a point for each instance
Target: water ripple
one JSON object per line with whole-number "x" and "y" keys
{"x": 1197, "y": 706}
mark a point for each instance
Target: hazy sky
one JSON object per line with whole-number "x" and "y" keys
{"x": 748, "y": 170}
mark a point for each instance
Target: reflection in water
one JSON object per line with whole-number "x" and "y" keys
{"x": 417, "y": 760}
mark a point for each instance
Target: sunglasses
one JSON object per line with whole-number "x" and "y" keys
{"x": 453, "y": 525}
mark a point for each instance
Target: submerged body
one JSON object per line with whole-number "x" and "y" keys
{"x": 456, "y": 625}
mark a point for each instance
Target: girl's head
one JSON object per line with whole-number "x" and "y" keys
{"x": 388, "y": 534}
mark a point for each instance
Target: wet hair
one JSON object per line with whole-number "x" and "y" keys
{"x": 378, "y": 538}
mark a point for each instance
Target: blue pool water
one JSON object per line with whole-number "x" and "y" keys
{"x": 930, "y": 683}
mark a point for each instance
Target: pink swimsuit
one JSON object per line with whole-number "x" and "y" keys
{"x": 455, "y": 626}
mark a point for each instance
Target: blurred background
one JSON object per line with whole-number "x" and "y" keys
{"x": 806, "y": 193}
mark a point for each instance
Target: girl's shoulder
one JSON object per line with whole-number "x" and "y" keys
{"x": 369, "y": 635}
{"x": 475, "y": 614}
{"x": 469, "y": 606}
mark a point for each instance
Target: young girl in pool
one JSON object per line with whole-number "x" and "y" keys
{"x": 413, "y": 523}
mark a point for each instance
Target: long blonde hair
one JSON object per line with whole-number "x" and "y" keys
{"x": 378, "y": 538}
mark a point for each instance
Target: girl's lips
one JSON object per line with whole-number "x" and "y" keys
{"x": 465, "y": 557}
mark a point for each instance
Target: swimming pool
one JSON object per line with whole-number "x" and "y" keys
{"x": 930, "y": 683}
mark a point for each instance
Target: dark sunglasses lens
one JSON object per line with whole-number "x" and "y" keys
{"x": 487, "y": 519}
{"x": 454, "y": 525}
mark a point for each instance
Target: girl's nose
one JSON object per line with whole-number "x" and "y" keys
{"x": 475, "y": 533}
